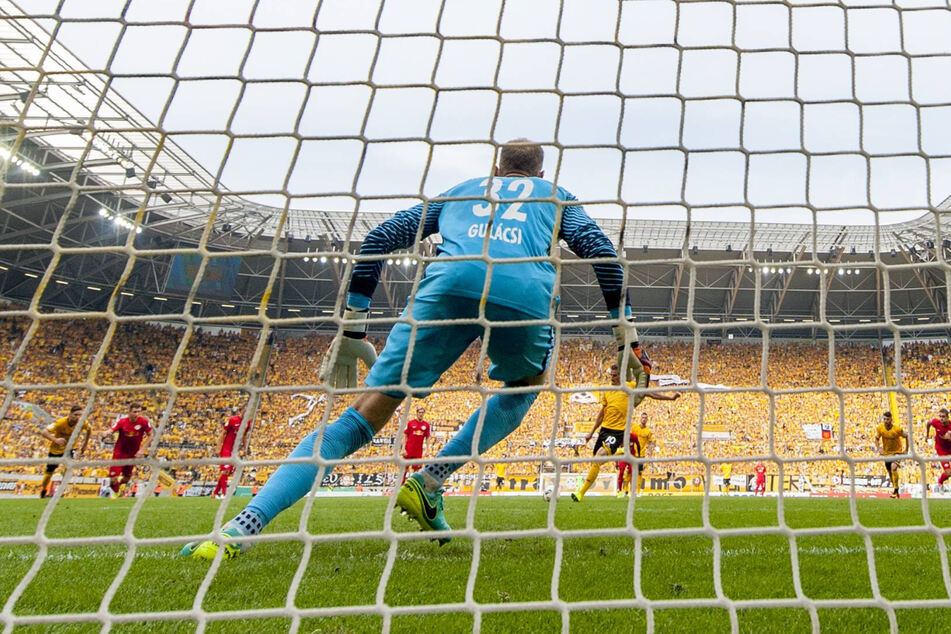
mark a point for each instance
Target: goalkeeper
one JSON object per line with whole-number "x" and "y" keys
{"x": 511, "y": 216}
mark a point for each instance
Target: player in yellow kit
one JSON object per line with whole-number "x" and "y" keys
{"x": 499, "y": 475}
{"x": 642, "y": 439}
{"x": 611, "y": 423}
{"x": 58, "y": 433}
{"x": 891, "y": 440}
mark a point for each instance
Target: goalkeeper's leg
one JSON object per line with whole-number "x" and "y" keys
{"x": 442, "y": 346}
{"x": 354, "y": 429}
{"x": 293, "y": 481}
{"x": 421, "y": 495}
{"x": 519, "y": 356}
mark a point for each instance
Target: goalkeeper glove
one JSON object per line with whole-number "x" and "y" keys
{"x": 339, "y": 366}
{"x": 632, "y": 359}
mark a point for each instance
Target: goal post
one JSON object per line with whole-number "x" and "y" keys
{"x": 184, "y": 192}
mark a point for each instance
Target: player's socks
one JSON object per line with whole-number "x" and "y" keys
{"x": 45, "y": 484}
{"x": 589, "y": 481}
{"x": 503, "y": 414}
{"x": 291, "y": 482}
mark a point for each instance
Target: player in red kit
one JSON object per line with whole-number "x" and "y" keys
{"x": 416, "y": 433}
{"x": 624, "y": 467}
{"x": 230, "y": 435}
{"x": 942, "y": 442}
{"x": 132, "y": 430}
{"x": 760, "y": 471}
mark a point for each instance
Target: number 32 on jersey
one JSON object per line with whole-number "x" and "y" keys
{"x": 521, "y": 187}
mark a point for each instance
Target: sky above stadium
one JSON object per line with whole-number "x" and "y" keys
{"x": 642, "y": 97}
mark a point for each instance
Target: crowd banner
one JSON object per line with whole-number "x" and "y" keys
{"x": 714, "y": 431}
{"x": 583, "y": 398}
{"x": 817, "y": 431}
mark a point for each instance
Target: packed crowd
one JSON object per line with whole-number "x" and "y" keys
{"x": 191, "y": 381}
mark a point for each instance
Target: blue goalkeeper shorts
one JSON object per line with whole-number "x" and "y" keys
{"x": 515, "y": 352}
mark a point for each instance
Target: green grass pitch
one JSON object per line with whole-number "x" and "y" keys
{"x": 74, "y": 579}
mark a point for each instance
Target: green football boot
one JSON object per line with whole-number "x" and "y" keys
{"x": 208, "y": 549}
{"x": 425, "y": 508}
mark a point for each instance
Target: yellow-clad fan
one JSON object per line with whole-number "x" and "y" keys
{"x": 612, "y": 421}
{"x": 891, "y": 440}
{"x": 58, "y": 433}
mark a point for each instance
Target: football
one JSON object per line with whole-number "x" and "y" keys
{"x": 548, "y": 493}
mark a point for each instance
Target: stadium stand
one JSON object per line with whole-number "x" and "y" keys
{"x": 64, "y": 351}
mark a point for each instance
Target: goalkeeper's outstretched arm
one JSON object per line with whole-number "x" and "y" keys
{"x": 399, "y": 232}
{"x": 339, "y": 366}
{"x": 586, "y": 239}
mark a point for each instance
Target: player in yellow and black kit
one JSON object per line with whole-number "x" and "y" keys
{"x": 642, "y": 437}
{"x": 888, "y": 439}
{"x": 611, "y": 424}
{"x": 59, "y": 433}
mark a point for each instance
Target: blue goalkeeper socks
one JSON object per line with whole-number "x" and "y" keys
{"x": 503, "y": 414}
{"x": 291, "y": 482}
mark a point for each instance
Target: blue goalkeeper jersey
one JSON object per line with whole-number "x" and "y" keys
{"x": 487, "y": 239}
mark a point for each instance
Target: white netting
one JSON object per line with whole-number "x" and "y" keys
{"x": 272, "y": 135}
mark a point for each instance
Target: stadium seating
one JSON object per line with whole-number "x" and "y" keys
{"x": 62, "y": 351}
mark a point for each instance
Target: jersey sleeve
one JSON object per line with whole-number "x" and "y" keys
{"x": 426, "y": 431}
{"x": 586, "y": 240}
{"x": 398, "y": 232}
{"x": 148, "y": 426}
{"x": 116, "y": 426}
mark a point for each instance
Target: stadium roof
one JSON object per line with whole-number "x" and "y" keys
{"x": 76, "y": 115}
{"x": 737, "y": 271}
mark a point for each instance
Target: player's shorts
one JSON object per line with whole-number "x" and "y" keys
{"x": 623, "y": 466}
{"x": 499, "y": 481}
{"x": 611, "y": 439}
{"x": 50, "y": 468}
{"x": 413, "y": 467}
{"x": 124, "y": 470}
{"x": 945, "y": 464}
{"x": 515, "y": 352}
{"x": 888, "y": 465}
{"x": 226, "y": 469}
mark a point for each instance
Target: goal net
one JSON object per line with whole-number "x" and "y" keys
{"x": 184, "y": 190}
